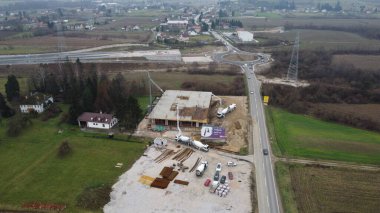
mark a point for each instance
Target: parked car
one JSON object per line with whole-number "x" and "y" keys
{"x": 207, "y": 182}
{"x": 223, "y": 179}
{"x": 230, "y": 176}
{"x": 219, "y": 167}
{"x": 216, "y": 176}
{"x": 231, "y": 164}
{"x": 265, "y": 151}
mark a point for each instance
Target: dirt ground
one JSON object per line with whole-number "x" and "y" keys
{"x": 240, "y": 57}
{"x": 129, "y": 193}
{"x": 235, "y": 122}
{"x": 335, "y": 190}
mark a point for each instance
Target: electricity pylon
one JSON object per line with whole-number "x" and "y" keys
{"x": 293, "y": 66}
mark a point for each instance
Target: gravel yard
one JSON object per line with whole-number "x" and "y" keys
{"x": 130, "y": 195}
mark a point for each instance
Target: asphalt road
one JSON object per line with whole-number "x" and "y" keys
{"x": 73, "y": 55}
{"x": 267, "y": 193}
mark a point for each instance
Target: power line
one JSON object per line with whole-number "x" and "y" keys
{"x": 293, "y": 66}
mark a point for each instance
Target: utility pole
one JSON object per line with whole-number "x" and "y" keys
{"x": 293, "y": 66}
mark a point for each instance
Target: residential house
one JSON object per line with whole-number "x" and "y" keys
{"x": 36, "y": 102}
{"x": 97, "y": 120}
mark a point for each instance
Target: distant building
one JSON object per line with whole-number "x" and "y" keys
{"x": 97, "y": 120}
{"x": 177, "y": 24}
{"x": 36, "y": 102}
{"x": 193, "y": 107}
{"x": 245, "y": 36}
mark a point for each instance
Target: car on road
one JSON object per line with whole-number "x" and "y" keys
{"x": 230, "y": 176}
{"x": 223, "y": 179}
{"x": 251, "y": 92}
{"x": 265, "y": 151}
{"x": 218, "y": 167}
{"x": 207, "y": 182}
{"x": 249, "y": 77}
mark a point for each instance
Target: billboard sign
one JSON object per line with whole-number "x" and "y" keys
{"x": 213, "y": 132}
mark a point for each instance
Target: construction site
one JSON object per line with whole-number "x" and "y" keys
{"x": 192, "y": 163}
{"x": 173, "y": 178}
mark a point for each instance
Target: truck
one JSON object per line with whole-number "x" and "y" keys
{"x": 223, "y": 112}
{"x": 199, "y": 145}
{"x": 183, "y": 139}
{"x": 201, "y": 168}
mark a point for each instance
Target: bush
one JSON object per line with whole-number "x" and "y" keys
{"x": 53, "y": 111}
{"x": 94, "y": 197}
{"x": 64, "y": 149}
{"x": 17, "y": 124}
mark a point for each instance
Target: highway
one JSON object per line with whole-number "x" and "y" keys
{"x": 267, "y": 192}
{"x": 87, "y": 56}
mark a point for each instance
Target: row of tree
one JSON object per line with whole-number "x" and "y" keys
{"x": 87, "y": 91}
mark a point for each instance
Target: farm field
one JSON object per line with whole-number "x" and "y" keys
{"x": 365, "y": 62}
{"x": 301, "y": 136}
{"x": 320, "y": 189}
{"x": 327, "y": 39}
{"x": 41, "y": 176}
{"x": 72, "y": 41}
{"x": 252, "y": 22}
{"x": 174, "y": 80}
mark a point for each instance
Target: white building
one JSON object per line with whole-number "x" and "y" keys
{"x": 245, "y": 36}
{"x": 97, "y": 120}
{"x": 36, "y": 102}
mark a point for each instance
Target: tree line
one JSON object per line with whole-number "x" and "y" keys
{"x": 85, "y": 90}
{"x": 338, "y": 84}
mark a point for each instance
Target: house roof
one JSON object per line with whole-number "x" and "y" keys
{"x": 35, "y": 99}
{"x": 177, "y": 22}
{"x": 95, "y": 117}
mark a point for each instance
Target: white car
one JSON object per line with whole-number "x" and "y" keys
{"x": 219, "y": 167}
{"x": 251, "y": 92}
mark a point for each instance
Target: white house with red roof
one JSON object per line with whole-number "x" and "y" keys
{"x": 97, "y": 120}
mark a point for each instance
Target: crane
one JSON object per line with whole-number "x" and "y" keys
{"x": 150, "y": 91}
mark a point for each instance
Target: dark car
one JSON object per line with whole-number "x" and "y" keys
{"x": 265, "y": 151}
{"x": 230, "y": 176}
{"x": 223, "y": 179}
{"x": 216, "y": 176}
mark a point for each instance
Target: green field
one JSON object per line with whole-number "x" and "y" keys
{"x": 314, "y": 189}
{"x": 31, "y": 170}
{"x": 296, "y": 135}
{"x": 284, "y": 184}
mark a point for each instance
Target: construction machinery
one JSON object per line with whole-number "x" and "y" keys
{"x": 201, "y": 168}
{"x": 222, "y": 113}
{"x": 187, "y": 140}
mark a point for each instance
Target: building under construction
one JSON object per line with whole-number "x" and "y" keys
{"x": 193, "y": 109}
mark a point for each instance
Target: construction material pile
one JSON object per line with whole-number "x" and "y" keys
{"x": 168, "y": 175}
{"x": 183, "y": 155}
{"x": 222, "y": 190}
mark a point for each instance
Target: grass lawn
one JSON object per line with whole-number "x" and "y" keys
{"x": 302, "y": 136}
{"x": 284, "y": 184}
{"x": 316, "y": 189}
{"x": 31, "y": 170}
